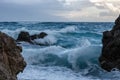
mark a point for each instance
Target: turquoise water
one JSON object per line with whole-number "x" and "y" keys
{"x": 72, "y": 53}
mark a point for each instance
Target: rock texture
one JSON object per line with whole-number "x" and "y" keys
{"x": 25, "y": 36}
{"x": 11, "y": 61}
{"x": 110, "y": 57}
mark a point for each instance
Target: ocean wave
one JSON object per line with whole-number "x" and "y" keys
{"x": 48, "y": 40}
{"x": 68, "y": 29}
{"x": 50, "y": 73}
{"x": 72, "y": 53}
{"x": 13, "y": 33}
{"x": 76, "y": 59}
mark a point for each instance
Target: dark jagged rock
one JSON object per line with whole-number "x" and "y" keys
{"x": 25, "y": 36}
{"x": 37, "y": 36}
{"x": 110, "y": 57}
{"x": 42, "y": 35}
{"x": 11, "y": 61}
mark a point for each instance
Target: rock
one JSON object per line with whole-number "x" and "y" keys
{"x": 34, "y": 37}
{"x": 110, "y": 57}
{"x": 24, "y": 36}
{"x": 37, "y": 36}
{"x": 42, "y": 35}
{"x": 117, "y": 21}
{"x": 11, "y": 61}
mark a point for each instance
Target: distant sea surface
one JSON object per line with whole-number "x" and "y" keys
{"x": 72, "y": 54}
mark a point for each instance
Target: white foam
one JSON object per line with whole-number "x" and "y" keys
{"x": 84, "y": 42}
{"x": 50, "y": 73}
{"x": 68, "y": 29}
{"x": 85, "y": 54}
{"x": 15, "y": 33}
{"x": 34, "y": 55}
{"x": 72, "y": 55}
{"x": 48, "y": 40}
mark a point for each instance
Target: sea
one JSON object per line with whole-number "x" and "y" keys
{"x": 72, "y": 52}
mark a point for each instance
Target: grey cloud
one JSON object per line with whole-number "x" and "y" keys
{"x": 47, "y": 10}
{"x": 108, "y": 13}
{"x": 39, "y": 12}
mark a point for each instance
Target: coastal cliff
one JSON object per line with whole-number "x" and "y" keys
{"x": 110, "y": 57}
{"x": 11, "y": 61}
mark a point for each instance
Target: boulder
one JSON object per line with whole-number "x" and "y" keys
{"x": 37, "y": 36}
{"x": 110, "y": 57}
{"x": 24, "y": 36}
{"x": 11, "y": 61}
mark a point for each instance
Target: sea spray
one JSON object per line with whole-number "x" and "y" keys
{"x": 72, "y": 54}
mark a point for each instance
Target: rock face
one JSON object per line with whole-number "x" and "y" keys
{"x": 25, "y": 36}
{"x": 110, "y": 57}
{"x": 11, "y": 61}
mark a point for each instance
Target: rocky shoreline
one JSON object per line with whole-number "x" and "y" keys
{"x": 110, "y": 57}
{"x": 26, "y": 37}
{"x": 11, "y": 61}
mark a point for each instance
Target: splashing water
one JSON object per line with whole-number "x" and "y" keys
{"x": 72, "y": 53}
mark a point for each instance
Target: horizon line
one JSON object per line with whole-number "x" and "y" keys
{"x": 59, "y": 21}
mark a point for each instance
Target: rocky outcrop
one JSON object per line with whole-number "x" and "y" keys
{"x": 37, "y": 36}
{"x": 110, "y": 57}
{"x": 25, "y": 36}
{"x": 11, "y": 61}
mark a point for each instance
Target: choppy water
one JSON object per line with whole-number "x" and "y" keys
{"x": 72, "y": 53}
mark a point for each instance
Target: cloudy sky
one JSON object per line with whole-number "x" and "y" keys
{"x": 59, "y": 10}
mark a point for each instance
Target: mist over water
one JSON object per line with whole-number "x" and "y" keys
{"x": 72, "y": 53}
